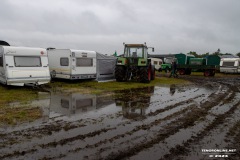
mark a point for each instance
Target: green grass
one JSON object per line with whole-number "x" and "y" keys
{"x": 16, "y": 94}
{"x": 22, "y": 112}
{"x": 95, "y": 87}
{"x": 217, "y": 75}
{"x": 16, "y": 115}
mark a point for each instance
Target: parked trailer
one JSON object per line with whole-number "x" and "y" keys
{"x": 72, "y": 64}
{"x": 230, "y": 65}
{"x": 186, "y": 63}
{"x": 21, "y": 66}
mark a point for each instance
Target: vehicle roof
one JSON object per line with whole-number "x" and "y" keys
{"x": 22, "y": 50}
{"x": 75, "y": 50}
{"x": 230, "y": 59}
{"x": 135, "y": 45}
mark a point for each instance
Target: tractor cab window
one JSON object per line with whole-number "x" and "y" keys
{"x": 134, "y": 52}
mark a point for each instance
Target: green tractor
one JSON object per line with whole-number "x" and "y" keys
{"x": 134, "y": 64}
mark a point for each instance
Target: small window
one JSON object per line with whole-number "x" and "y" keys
{"x": 155, "y": 62}
{"x": 64, "y": 61}
{"x": 24, "y": 61}
{"x": 1, "y": 61}
{"x": 84, "y": 62}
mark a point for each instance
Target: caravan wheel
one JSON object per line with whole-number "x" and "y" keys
{"x": 53, "y": 74}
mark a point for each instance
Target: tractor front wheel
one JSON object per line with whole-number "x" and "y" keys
{"x": 145, "y": 74}
{"x": 120, "y": 73}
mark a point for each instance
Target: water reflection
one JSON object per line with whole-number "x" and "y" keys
{"x": 75, "y": 103}
{"x": 134, "y": 102}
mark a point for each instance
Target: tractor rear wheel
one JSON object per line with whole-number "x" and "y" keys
{"x": 145, "y": 74}
{"x": 120, "y": 73}
{"x": 181, "y": 71}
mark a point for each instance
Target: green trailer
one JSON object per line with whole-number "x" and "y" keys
{"x": 213, "y": 60}
{"x": 187, "y": 63}
{"x": 183, "y": 59}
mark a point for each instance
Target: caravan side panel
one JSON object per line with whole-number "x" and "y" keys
{"x": 24, "y": 66}
{"x": 72, "y": 64}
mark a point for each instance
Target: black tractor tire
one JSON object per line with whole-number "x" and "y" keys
{"x": 145, "y": 74}
{"x": 120, "y": 73}
{"x": 152, "y": 72}
{"x": 188, "y": 71}
{"x": 212, "y": 72}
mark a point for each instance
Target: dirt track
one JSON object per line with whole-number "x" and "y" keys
{"x": 151, "y": 123}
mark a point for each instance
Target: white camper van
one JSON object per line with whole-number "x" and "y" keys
{"x": 230, "y": 65}
{"x": 72, "y": 64}
{"x": 21, "y": 66}
{"x": 157, "y": 62}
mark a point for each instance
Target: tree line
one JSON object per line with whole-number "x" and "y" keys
{"x": 218, "y": 52}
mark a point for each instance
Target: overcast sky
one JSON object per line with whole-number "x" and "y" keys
{"x": 171, "y": 26}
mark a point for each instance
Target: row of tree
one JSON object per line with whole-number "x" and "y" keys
{"x": 218, "y": 52}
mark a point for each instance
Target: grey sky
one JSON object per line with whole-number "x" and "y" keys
{"x": 171, "y": 26}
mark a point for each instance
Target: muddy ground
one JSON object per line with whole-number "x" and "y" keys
{"x": 196, "y": 121}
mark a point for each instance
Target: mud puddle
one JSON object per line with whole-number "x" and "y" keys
{"x": 161, "y": 122}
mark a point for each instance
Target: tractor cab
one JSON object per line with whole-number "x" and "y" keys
{"x": 135, "y": 50}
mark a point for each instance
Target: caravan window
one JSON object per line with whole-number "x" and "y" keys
{"x": 1, "y": 61}
{"x": 84, "y": 62}
{"x": 24, "y": 61}
{"x": 64, "y": 61}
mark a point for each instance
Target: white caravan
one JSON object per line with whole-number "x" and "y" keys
{"x": 72, "y": 64}
{"x": 21, "y": 66}
{"x": 157, "y": 62}
{"x": 230, "y": 65}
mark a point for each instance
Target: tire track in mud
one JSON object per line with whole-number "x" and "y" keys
{"x": 155, "y": 127}
{"x": 219, "y": 123}
{"x": 186, "y": 147}
{"x": 61, "y": 142}
{"x": 81, "y": 137}
{"x": 180, "y": 123}
{"x": 135, "y": 148}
